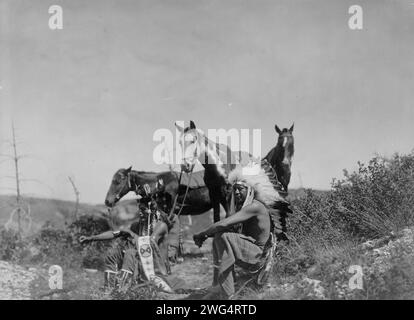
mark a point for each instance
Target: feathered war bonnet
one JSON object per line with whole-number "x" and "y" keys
{"x": 255, "y": 178}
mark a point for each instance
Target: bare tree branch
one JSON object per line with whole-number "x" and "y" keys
{"x": 22, "y": 214}
{"x": 77, "y": 193}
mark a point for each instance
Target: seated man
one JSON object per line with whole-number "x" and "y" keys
{"x": 253, "y": 195}
{"x": 156, "y": 201}
{"x": 123, "y": 258}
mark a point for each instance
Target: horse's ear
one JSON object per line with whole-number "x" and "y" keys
{"x": 277, "y": 129}
{"x": 192, "y": 124}
{"x": 128, "y": 170}
{"x": 181, "y": 129}
{"x": 291, "y": 128}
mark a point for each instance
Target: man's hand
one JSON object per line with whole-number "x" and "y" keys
{"x": 199, "y": 239}
{"x": 172, "y": 254}
{"x": 84, "y": 239}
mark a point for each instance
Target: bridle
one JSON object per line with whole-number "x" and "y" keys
{"x": 186, "y": 160}
{"x": 185, "y": 194}
{"x": 136, "y": 189}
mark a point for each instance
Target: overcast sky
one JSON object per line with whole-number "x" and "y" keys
{"x": 87, "y": 99}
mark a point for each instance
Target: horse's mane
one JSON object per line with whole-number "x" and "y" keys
{"x": 146, "y": 172}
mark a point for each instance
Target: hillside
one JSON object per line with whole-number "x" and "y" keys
{"x": 364, "y": 223}
{"x": 58, "y": 211}
{"x": 42, "y": 210}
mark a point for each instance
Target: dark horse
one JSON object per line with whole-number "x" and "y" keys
{"x": 127, "y": 180}
{"x": 217, "y": 159}
{"x": 280, "y": 157}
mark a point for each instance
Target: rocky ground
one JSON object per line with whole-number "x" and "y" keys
{"x": 32, "y": 282}
{"x": 15, "y": 281}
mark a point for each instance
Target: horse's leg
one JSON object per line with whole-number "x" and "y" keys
{"x": 216, "y": 210}
{"x": 215, "y": 203}
{"x": 225, "y": 204}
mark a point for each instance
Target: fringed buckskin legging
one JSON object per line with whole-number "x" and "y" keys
{"x": 234, "y": 248}
{"x": 122, "y": 256}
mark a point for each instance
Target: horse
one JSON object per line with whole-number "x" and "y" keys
{"x": 217, "y": 159}
{"x": 127, "y": 180}
{"x": 280, "y": 157}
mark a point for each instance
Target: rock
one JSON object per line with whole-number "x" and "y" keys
{"x": 407, "y": 233}
{"x": 313, "y": 271}
{"x": 288, "y": 286}
{"x": 195, "y": 250}
{"x": 180, "y": 260}
{"x": 15, "y": 281}
{"x": 388, "y": 249}
{"x": 34, "y": 251}
{"x": 367, "y": 245}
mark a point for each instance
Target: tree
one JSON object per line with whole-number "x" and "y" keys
{"x": 77, "y": 193}
{"x": 23, "y": 213}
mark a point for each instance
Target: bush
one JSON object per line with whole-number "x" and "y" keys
{"x": 58, "y": 246}
{"x": 377, "y": 199}
{"x": 372, "y": 202}
{"x": 13, "y": 247}
{"x": 326, "y": 228}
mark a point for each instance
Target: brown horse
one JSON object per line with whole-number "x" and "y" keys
{"x": 128, "y": 180}
{"x": 280, "y": 157}
{"x": 217, "y": 159}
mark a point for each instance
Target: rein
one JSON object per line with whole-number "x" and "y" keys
{"x": 185, "y": 194}
{"x": 180, "y": 241}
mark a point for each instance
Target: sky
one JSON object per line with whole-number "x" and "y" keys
{"x": 87, "y": 99}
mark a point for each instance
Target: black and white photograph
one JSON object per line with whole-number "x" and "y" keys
{"x": 231, "y": 151}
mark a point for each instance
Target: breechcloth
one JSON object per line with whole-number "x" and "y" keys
{"x": 160, "y": 265}
{"x": 231, "y": 249}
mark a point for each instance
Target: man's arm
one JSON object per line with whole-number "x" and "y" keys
{"x": 107, "y": 235}
{"x": 241, "y": 216}
{"x": 160, "y": 230}
{"x": 173, "y": 239}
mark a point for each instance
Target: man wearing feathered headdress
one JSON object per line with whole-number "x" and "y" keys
{"x": 252, "y": 196}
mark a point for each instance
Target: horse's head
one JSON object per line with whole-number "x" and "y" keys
{"x": 191, "y": 145}
{"x": 120, "y": 186}
{"x": 285, "y": 142}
